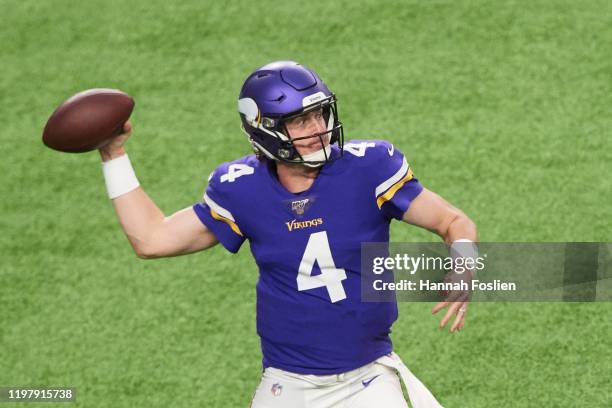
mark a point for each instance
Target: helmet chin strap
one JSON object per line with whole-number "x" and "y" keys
{"x": 318, "y": 156}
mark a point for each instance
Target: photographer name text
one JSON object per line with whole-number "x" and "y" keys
{"x": 427, "y": 285}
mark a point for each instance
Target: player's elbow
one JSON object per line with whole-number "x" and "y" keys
{"x": 145, "y": 250}
{"x": 143, "y": 254}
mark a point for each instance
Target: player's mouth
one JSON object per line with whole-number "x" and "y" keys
{"x": 314, "y": 145}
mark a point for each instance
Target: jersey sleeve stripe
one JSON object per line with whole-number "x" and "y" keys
{"x": 221, "y": 214}
{"x": 229, "y": 222}
{"x": 385, "y": 185}
{"x": 218, "y": 209}
{"x": 391, "y": 192}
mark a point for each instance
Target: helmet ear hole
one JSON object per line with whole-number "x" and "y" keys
{"x": 268, "y": 123}
{"x": 284, "y": 153}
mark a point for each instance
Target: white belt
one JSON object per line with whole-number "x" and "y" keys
{"x": 420, "y": 396}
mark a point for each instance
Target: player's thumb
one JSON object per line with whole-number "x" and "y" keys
{"x": 127, "y": 128}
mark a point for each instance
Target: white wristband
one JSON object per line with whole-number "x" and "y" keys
{"x": 464, "y": 248}
{"x": 119, "y": 176}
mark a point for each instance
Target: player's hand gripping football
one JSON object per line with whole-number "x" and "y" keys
{"x": 115, "y": 148}
{"x": 456, "y": 301}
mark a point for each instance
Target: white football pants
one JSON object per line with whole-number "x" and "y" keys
{"x": 371, "y": 386}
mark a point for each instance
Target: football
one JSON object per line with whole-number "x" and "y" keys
{"x": 88, "y": 120}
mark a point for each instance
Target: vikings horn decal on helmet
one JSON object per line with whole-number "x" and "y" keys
{"x": 278, "y": 92}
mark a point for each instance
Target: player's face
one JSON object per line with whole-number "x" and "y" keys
{"x": 308, "y": 124}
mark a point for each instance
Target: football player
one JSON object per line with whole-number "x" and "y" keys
{"x": 317, "y": 200}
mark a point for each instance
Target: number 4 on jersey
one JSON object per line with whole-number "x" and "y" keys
{"x": 236, "y": 170}
{"x": 317, "y": 250}
{"x": 358, "y": 149}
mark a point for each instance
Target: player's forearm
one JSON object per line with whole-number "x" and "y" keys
{"x": 140, "y": 218}
{"x": 138, "y": 215}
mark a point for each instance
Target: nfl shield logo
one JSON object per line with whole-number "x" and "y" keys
{"x": 299, "y": 206}
{"x": 276, "y": 389}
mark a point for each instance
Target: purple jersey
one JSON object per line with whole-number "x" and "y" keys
{"x": 307, "y": 246}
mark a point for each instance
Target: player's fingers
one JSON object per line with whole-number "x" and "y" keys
{"x": 118, "y": 141}
{"x": 463, "y": 309}
{"x": 127, "y": 128}
{"x": 449, "y": 313}
{"x": 461, "y": 324}
{"x": 459, "y": 319}
{"x": 438, "y": 307}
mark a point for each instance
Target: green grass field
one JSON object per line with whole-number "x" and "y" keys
{"x": 503, "y": 108}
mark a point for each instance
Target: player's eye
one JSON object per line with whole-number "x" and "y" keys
{"x": 302, "y": 121}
